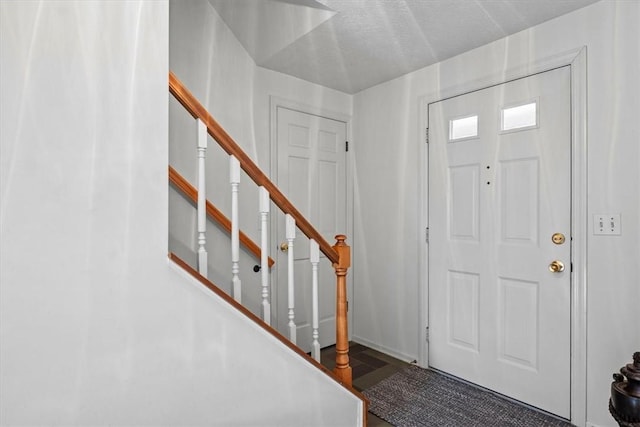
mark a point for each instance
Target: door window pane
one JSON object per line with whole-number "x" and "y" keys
{"x": 465, "y": 127}
{"x": 519, "y": 117}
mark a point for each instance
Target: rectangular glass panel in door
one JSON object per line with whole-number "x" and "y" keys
{"x": 519, "y": 117}
{"x": 463, "y": 128}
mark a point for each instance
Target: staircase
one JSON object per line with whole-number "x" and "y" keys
{"x": 338, "y": 254}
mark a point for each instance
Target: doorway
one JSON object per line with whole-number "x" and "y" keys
{"x": 500, "y": 238}
{"x": 310, "y": 169}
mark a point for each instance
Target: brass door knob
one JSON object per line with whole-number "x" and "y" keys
{"x": 556, "y": 266}
{"x": 284, "y": 246}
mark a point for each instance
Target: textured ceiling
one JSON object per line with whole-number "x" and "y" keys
{"x": 350, "y": 45}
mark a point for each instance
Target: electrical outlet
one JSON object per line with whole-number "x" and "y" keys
{"x": 607, "y": 224}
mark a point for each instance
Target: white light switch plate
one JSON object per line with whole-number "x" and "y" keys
{"x": 607, "y": 224}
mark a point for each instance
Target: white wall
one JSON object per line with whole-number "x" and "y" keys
{"x": 216, "y": 68}
{"x": 388, "y": 135}
{"x": 96, "y": 326}
{"x": 209, "y": 60}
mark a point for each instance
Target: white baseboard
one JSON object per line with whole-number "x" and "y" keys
{"x": 401, "y": 356}
{"x": 597, "y": 425}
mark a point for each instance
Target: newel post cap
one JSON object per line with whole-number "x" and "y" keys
{"x": 344, "y": 252}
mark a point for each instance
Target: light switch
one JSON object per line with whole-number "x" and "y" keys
{"x": 607, "y": 224}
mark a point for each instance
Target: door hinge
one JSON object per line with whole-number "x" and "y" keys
{"x": 347, "y": 305}
{"x": 346, "y": 146}
{"x": 426, "y": 234}
{"x": 427, "y": 334}
{"x": 426, "y": 135}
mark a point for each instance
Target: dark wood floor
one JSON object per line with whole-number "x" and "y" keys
{"x": 369, "y": 367}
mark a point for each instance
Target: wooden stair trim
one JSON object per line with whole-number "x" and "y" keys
{"x": 189, "y": 191}
{"x": 193, "y": 106}
{"x": 267, "y": 328}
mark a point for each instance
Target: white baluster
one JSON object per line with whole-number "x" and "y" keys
{"x": 314, "y": 256}
{"x": 202, "y": 198}
{"x": 264, "y": 254}
{"x": 291, "y": 235}
{"x": 234, "y": 179}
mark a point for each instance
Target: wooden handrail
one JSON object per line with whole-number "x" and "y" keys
{"x": 214, "y": 213}
{"x": 193, "y": 106}
{"x": 215, "y": 289}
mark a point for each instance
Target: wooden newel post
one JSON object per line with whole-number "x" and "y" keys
{"x": 342, "y": 369}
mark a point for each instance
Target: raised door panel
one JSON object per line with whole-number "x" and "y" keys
{"x": 519, "y": 201}
{"x": 519, "y": 317}
{"x": 462, "y": 309}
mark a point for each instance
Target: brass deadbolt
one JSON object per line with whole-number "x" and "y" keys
{"x": 558, "y": 238}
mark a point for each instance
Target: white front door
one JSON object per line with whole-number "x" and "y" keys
{"x": 311, "y": 172}
{"x": 499, "y": 206}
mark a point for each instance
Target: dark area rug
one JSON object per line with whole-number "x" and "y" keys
{"x": 421, "y": 397}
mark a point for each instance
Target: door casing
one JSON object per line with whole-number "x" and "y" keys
{"x": 577, "y": 60}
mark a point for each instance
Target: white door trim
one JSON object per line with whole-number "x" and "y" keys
{"x": 275, "y": 102}
{"x": 577, "y": 60}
